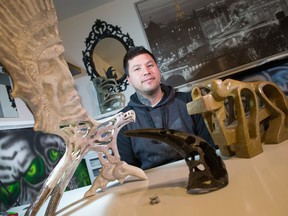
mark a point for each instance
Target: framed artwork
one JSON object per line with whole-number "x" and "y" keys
{"x": 276, "y": 73}
{"x": 198, "y": 40}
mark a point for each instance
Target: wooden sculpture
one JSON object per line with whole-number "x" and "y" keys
{"x": 207, "y": 171}
{"x": 32, "y": 52}
{"x": 242, "y": 115}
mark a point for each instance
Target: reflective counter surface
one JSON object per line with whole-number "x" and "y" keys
{"x": 257, "y": 186}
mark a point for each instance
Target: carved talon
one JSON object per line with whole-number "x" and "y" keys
{"x": 214, "y": 175}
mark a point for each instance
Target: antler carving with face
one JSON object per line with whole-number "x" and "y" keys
{"x": 32, "y": 52}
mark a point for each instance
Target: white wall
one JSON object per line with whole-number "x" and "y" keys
{"x": 74, "y": 31}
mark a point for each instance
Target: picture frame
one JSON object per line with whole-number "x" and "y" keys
{"x": 8, "y": 107}
{"x": 195, "y": 41}
{"x": 276, "y": 72}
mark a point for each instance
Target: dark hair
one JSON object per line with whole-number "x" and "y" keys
{"x": 131, "y": 53}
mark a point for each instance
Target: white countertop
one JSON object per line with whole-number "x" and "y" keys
{"x": 257, "y": 186}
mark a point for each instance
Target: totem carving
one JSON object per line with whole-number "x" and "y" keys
{"x": 32, "y": 52}
{"x": 241, "y": 116}
{"x": 108, "y": 97}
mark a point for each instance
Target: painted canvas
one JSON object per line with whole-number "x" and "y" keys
{"x": 27, "y": 158}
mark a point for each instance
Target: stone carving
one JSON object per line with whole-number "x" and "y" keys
{"x": 32, "y": 52}
{"x": 242, "y": 115}
{"x": 207, "y": 171}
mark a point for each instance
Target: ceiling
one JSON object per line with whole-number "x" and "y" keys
{"x": 69, "y": 8}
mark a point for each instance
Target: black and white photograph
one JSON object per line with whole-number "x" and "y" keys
{"x": 204, "y": 39}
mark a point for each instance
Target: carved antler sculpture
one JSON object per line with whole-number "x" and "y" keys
{"x": 207, "y": 171}
{"x": 242, "y": 115}
{"x": 32, "y": 52}
{"x": 108, "y": 98}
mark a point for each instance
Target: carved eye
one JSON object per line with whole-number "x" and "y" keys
{"x": 46, "y": 67}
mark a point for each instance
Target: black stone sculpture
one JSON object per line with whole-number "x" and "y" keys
{"x": 207, "y": 171}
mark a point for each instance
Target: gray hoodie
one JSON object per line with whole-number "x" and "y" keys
{"x": 170, "y": 113}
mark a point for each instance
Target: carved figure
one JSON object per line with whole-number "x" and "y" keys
{"x": 242, "y": 115}
{"x": 206, "y": 173}
{"x": 32, "y": 52}
{"x": 108, "y": 98}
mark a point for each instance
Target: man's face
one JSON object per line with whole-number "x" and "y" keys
{"x": 144, "y": 74}
{"x": 58, "y": 82}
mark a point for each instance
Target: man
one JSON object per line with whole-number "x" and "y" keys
{"x": 156, "y": 106}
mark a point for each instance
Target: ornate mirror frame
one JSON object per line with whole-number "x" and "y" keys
{"x": 6, "y": 88}
{"x": 100, "y": 31}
